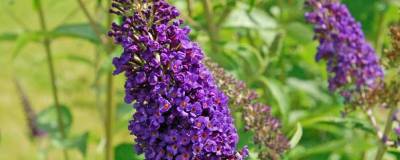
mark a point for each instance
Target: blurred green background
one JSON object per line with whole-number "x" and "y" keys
{"x": 265, "y": 43}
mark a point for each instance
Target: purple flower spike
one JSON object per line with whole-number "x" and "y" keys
{"x": 352, "y": 62}
{"x": 180, "y": 113}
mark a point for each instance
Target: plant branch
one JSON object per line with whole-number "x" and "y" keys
{"x": 212, "y": 29}
{"x": 380, "y": 33}
{"x": 389, "y": 122}
{"x": 47, "y": 46}
{"x": 225, "y": 13}
{"x": 109, "y": 116}
{"x": 92, "y": 22}
{"x": 109, "y": 99}
{"x": 372, "y": 121}
{"x": 189, "y": 6}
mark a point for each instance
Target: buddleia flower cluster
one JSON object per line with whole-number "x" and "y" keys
{"x": 391, "y": 93}
{"x": 180, "y": 112}
{"x": 257, "y": 116}
{"x": 352, "y": 63}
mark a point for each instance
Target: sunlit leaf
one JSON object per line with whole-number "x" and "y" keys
{"x": 297, "y": 136}
{"x": 395, "y": 2}
{"x": 300, "y": 32}
{"x": 256, "y": 19}
{"x": 318, "y": 149}
{"x": 343, "y": 122}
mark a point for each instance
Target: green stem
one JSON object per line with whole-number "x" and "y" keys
{"x": 110, "y": 91}
{"x": 373, "y": 122}
{"x": 92, "y": 22}
{"x": 380, "y": 33}
{"x": 225, "y": 13}
{"x": 47, "y": 46}
{"x": 381, "y": 30}
{"x": 109, "y": 99}
{"x": 212, "y": 29}
{"x": 96, "y": 83}
{"x": 109, "y": 117}
{"x": 189, "y": 6}
{"x": 389, "y": 121}
{"x": 96, "y": 66}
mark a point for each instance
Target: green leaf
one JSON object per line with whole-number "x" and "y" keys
{"x": 79, "y": 59}
{"x": 347, "y": 122}
{"x": 276, "y": 90}
{"x": 48, "y": 121}
{"x": 8, "y": 37}
{"x": 106, "y": 66}
{"x": 25, "y": 39}
{"x": 36, "y": 4}
{"x": 125, "y": 151}
{"x": 123, "y": 114}
{"x": 253, "y": 155}
{"x": 78, "y": 142}
{"x": 297, "y": 136}
{"x": 300, "y": 32}
{"x": 395, "y": 2}
{"x": 123, "y": 110}
{"x": 257, "y": 19}
{"x": 310, "y": 88}
{"x": 252, "y": 4}
{"x": 246, "y": 137}
{"x": 323, "y": 148}
{"x": 276, "y": 45}
{"x": 82, "y": 31}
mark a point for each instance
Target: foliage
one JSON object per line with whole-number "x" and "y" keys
{"x": 265, "y": 43}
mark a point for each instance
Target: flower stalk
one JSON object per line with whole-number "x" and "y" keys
{"x": 47, "y": 46}
{"x": 212, "y": 29}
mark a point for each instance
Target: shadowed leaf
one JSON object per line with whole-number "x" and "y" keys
{"x": 47, "y": 120}
{"x": 82, "y": 31}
